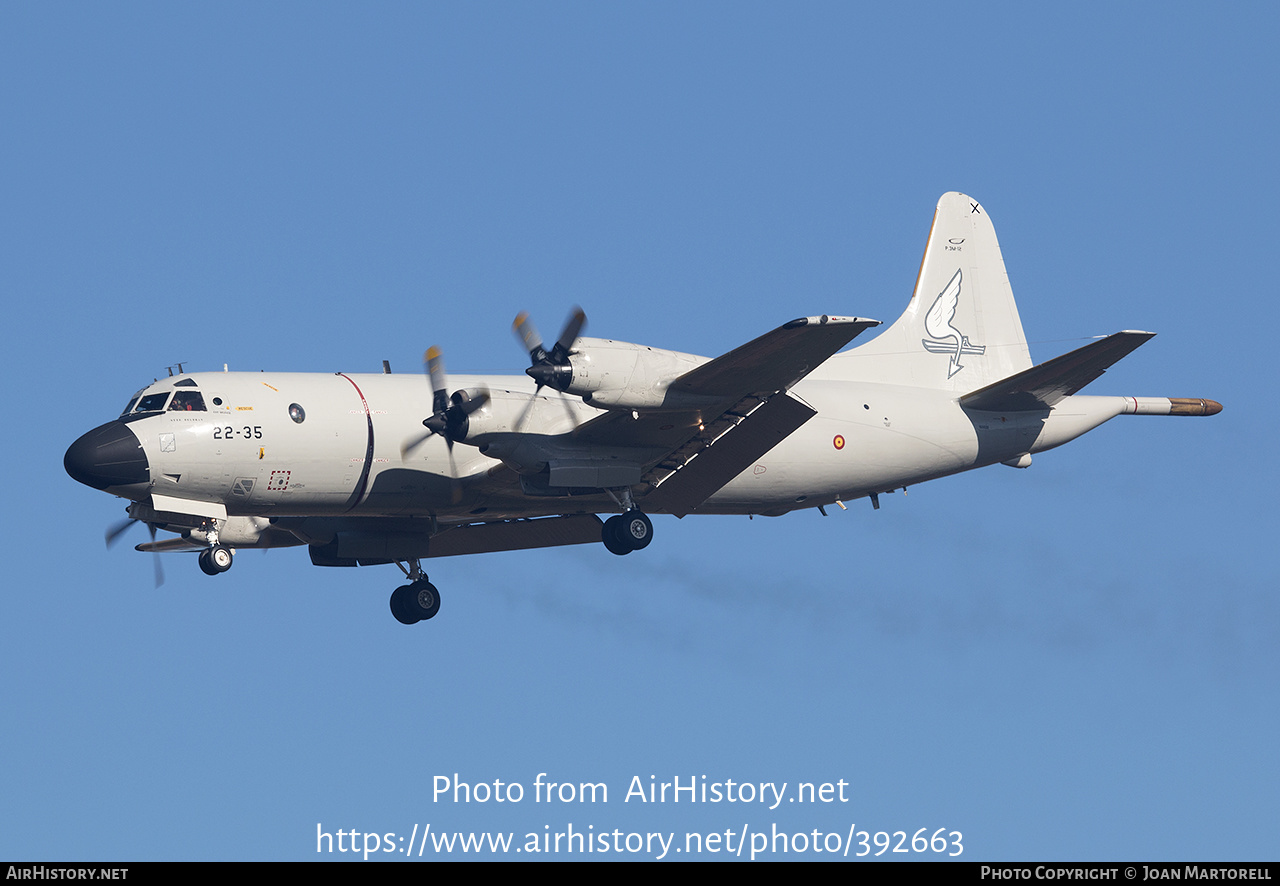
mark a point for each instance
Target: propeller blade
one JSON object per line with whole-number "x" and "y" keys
{"x": 408, "y": 446}
{"x": 156, "y": 557}
{"x": 524, "y": 413}
{"x": 116, "y": 530}
{"x": 528, "y": 335}
{"x": 455, "y": 485}
{"x": 434, "y": 361}
{"x": 572, "y": 327}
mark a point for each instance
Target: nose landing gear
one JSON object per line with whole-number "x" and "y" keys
{"x": 216, "y": 559}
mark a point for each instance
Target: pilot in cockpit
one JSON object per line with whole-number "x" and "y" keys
{"x": 187, "y": 401}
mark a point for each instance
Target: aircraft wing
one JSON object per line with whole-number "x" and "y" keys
{"x": 516, "y": 535}
{"x": 725, "y": 413}
{"x": 167, "y": 545}
{"x": 348, "y": 541}
{"x": 773, "y": 362}
{"x": 1044, "y": 385}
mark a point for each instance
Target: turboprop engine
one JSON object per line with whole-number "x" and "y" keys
{"x": 605, "y": 373}
{"x": 621, "y": 375}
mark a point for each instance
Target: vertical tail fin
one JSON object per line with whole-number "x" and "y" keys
{"x": 961, "y": 330}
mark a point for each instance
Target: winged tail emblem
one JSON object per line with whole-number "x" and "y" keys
{"x": 945, "y": 338}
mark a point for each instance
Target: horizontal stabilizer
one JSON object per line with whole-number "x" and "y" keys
{"x": 1044, "y": 385}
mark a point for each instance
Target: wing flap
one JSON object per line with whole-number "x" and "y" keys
{"x": 693, "y": 473}
{"x": 1045, "y": 384}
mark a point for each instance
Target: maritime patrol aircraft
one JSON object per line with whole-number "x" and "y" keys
{"x": 384, "y": 468}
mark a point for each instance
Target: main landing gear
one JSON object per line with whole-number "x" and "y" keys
{"x": 416, "y": 601}
{"x": 629, "y": 531}
{"x": 624, "y": 533}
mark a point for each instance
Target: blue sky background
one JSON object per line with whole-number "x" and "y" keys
{"x": 1077, "y": 661}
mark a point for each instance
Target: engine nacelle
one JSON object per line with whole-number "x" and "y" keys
{"x": 621, "y": 375}
{"x": 464, "y": 426}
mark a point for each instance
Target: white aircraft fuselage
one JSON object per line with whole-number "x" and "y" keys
{"x": 344, "y": 457}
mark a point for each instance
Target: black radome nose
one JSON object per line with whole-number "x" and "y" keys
{"x": 107, "y": 456}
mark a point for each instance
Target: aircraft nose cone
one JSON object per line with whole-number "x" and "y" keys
{"x": 110, "y": 455}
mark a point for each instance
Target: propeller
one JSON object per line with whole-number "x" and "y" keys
{"x": 450, "y": 418}
{"x": 116, "y": 530}
{"x": 550, "y": 369}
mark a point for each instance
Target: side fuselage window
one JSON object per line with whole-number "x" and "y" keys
{"x": 187, "y": 401}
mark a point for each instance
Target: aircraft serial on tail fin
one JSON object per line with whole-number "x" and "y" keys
{"x": 379, "y": 469}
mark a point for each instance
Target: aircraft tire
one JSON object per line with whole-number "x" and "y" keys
{"x": 612, "y": 537}
{"x": 205, "y": 566}
{"x": 399, "y": 608}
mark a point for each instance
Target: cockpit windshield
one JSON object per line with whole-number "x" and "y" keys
{"x": 151, "y": 403}
{"x": 143, "y": 404}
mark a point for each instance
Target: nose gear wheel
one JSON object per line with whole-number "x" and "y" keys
{"x": 216, "y": 559}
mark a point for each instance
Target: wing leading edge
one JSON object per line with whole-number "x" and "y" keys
{"x": 773, "y": 362}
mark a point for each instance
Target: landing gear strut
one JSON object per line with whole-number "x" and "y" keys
{"x": 416, "y": 601}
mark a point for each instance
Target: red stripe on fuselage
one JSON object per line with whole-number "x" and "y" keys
{"x": 358, "y": 495}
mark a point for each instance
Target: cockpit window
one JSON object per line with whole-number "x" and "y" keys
{"x": 151, "y": 403}
{"x": 133, "y": 401}
{"x": 187, "y": 401}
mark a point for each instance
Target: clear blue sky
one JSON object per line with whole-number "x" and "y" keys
{"x": 1076, "y": 661}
